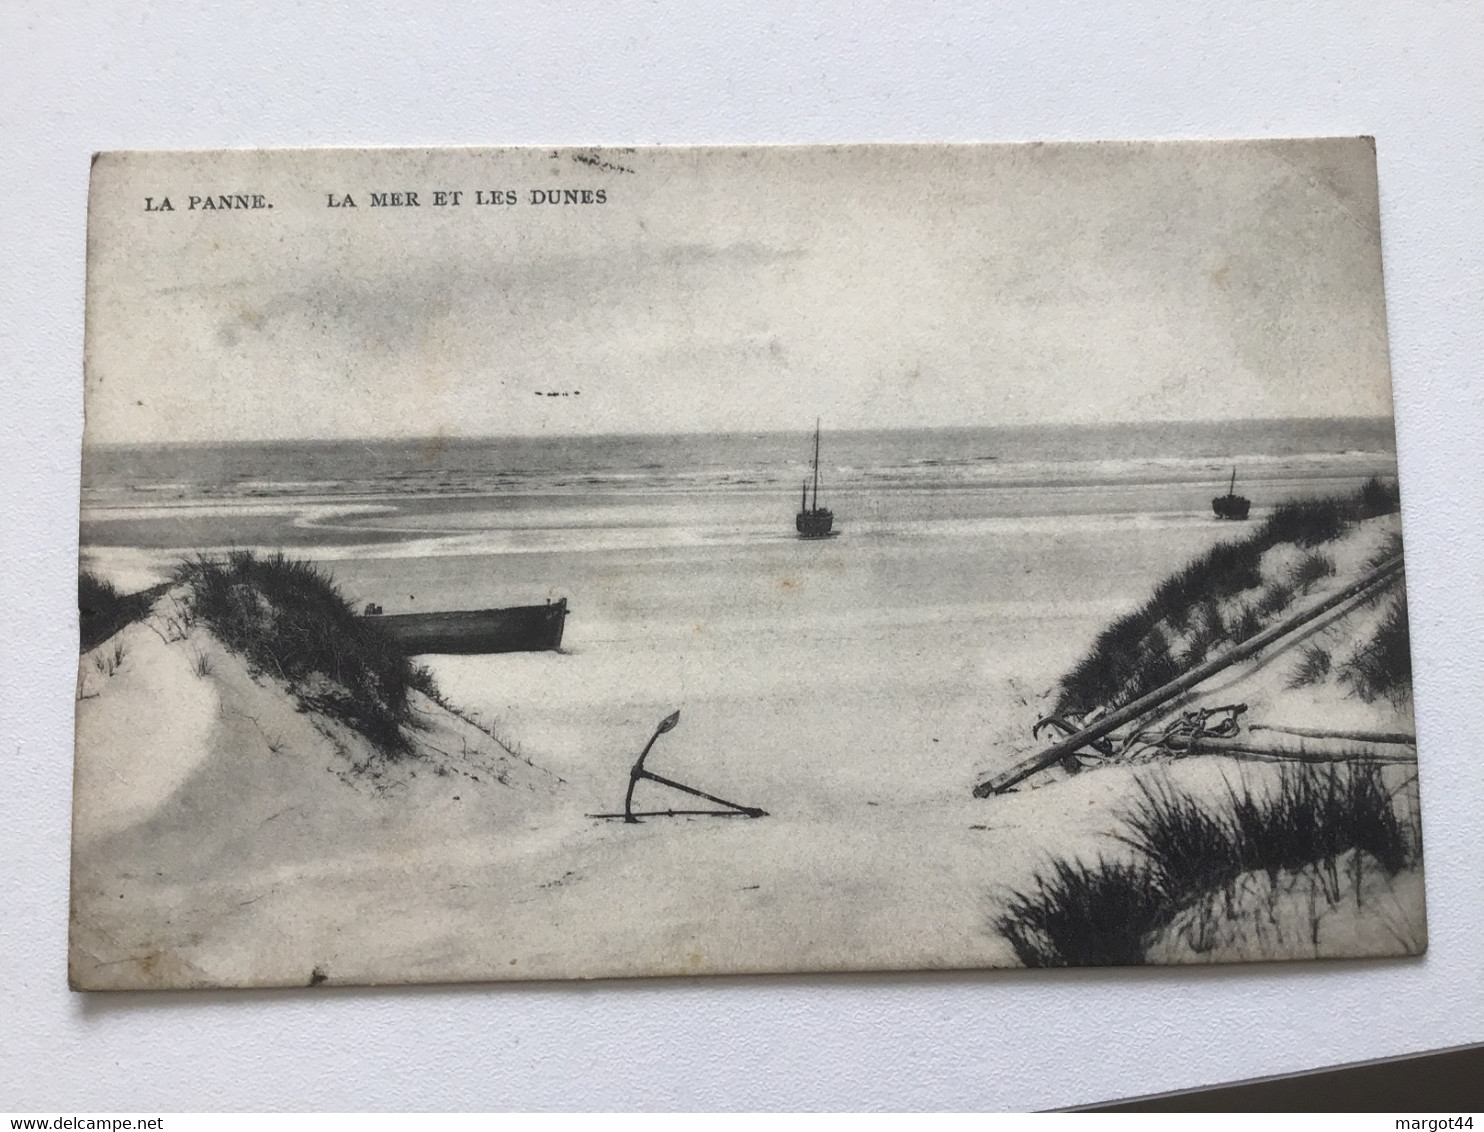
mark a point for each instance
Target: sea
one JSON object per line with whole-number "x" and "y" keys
{"x": 510, "y": 495}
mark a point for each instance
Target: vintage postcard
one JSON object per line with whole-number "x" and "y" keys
{"x": 573, "y": 563}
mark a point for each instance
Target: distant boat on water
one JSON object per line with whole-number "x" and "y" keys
{"x": 1231, "y": 505}
{"x": 814, "y": 521}
{"x": 520, "y": 628}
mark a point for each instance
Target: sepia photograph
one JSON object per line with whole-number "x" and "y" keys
{"x": 504, "y": 564}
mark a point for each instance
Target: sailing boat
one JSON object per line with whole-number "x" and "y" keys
{"x": 1231, "y": 505}
{"x": 815, "y": 521}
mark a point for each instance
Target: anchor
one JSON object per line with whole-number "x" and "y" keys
{"x": 638, "y": 771}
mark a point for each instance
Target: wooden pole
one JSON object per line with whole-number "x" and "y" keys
{"x": 1397, "y": 737}
{"x": 1298, "y": 750}
{"x": 1202, "y": 672}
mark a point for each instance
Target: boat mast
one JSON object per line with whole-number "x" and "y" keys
{"x": 1233, "y": 489}
{"x": 816, "y": 463}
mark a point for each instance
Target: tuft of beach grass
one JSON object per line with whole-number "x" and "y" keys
{"x": 1382, "y": 665}
{"x": 103, "y": 609}
{"x": 1080, "y": 915}
{"x": 288, "y": 619}
{"x": 1329, "y": 823}
{"x": 1311, "y": 569}
{"x": 1313, "y": 666}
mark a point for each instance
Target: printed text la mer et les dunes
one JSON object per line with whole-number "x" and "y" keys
{"x": 403, "y": 198}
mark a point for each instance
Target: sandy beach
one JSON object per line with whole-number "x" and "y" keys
{"x": 854, "y": 688}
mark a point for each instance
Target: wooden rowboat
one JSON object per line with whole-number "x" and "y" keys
{"x": 520, "y": 628}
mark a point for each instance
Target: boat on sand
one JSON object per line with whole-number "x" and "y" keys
{"x": 1231, "y": 505}
{"x": 814, "y": 521}
{"x": 520, "y": 628}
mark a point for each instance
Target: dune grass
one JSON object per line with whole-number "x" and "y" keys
{"x": 103, "y": 609}
{"x": 1186, "y": 852}
{"x": 1182, "y": 623}
{"x": 1311, "y": 569}
{"x": 1313, "y": 817}
{"x": 1382, "y": 666}
{"x": 1379, "y": 498}
{"x": 1313, "y": 666}
{"x": 289, "y": 620}
{"x": 1097, "y": 915}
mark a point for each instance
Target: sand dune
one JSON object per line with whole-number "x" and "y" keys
{"x": 231, "y": 837}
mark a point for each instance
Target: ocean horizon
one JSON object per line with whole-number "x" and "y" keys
{"x": 850, "y": 459}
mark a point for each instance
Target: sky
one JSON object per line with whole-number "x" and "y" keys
{"x": 732, "y": 289}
